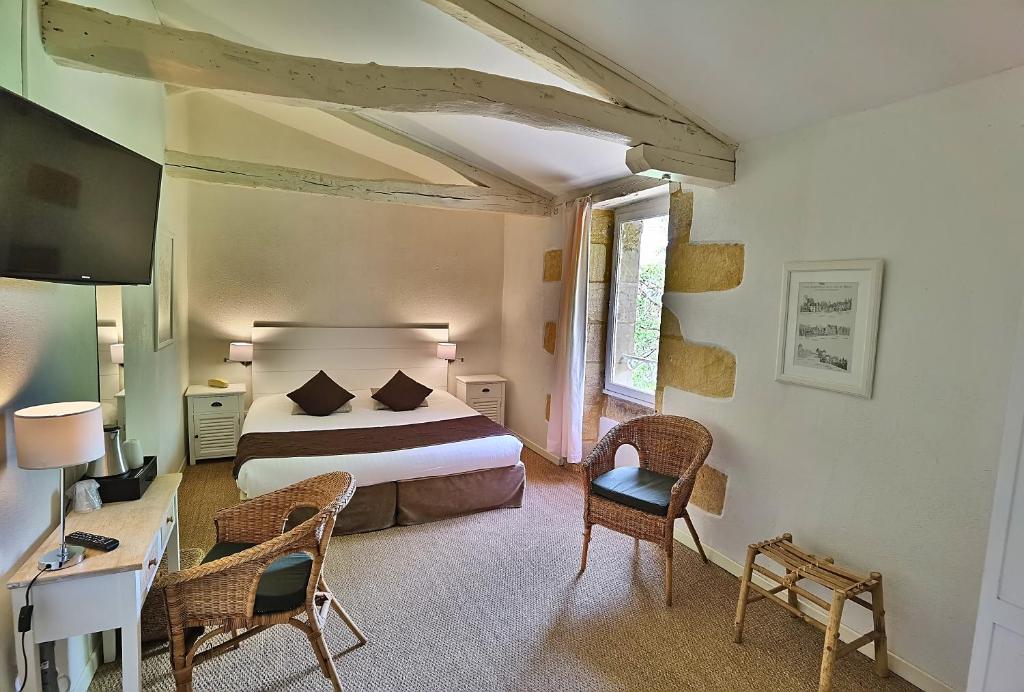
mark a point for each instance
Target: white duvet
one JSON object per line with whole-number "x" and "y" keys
{"x": 275, "y": 413}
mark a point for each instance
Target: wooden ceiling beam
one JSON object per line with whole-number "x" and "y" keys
{"x": 623, "y": 190}
{"x": 92, "y": 39}
{"x": 564, "y": 56}
{"x": 210, "y": 169}
{"x": 655, "y": 162}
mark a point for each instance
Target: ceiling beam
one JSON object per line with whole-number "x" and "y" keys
{"x": 564, "y": 56}
{"x": 210, "y": 169}
{"x": 679, "y": 167}
{"x": 622, "y": 190}
{"x": 467, "y": 170}
{"x": 92, "y": 39}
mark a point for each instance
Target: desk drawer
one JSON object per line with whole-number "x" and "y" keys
{"x": 152, "y": 561}
{"x": 170, "y": 516}
{"x": 215, "y": 404}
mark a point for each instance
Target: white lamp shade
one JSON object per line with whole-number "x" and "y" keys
{"x": 446, "y": 350}
{"x": 240, "y": 352}
{"x": 54, "y": 435}
{"x": 117, "y": 354}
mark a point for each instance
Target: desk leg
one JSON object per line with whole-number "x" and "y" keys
{"x": 109, "y": 646}
{"x": 33, "y": 682}
{"x": 131, "y": 656}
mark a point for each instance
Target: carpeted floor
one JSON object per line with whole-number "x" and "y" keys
{"x": 491, "y": 602}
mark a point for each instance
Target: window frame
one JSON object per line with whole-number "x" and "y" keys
{"x": 644, "y": 209}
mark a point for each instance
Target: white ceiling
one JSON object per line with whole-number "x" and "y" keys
{"x": 757, "y": 67}
{"x": 751, "y": 68}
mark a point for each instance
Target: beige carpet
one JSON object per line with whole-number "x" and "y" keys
{"x": 491, "y": 602}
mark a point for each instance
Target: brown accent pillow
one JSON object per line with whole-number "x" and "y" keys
{"x": 321, "y": 396}
{"x": 402, "y": 393}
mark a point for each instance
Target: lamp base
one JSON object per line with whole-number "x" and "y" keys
{"x": 60, "y": 558}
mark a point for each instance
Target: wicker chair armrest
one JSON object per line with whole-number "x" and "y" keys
{"x": 681, "y": 491}
{"x": 224, "y": 590}
{"x": 598, "y": 463}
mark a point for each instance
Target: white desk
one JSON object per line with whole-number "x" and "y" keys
{"x": 106, "y": 590}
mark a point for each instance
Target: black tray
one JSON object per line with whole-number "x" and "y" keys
{"x": 128, "y": 486}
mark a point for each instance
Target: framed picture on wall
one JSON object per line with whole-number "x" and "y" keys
{"x": 163, "y": 292}
{"x": 829, "y": 324}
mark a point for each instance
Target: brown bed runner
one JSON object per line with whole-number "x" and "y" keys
{"x": 390, "y": 438}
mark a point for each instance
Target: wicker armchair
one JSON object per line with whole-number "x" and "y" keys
{"x": 671, "y": 446}
{"x": 257, "y": 576}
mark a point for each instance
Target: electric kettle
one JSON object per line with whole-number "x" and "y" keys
{"x": 112, "y": 462}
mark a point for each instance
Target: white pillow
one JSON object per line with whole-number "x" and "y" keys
{"x": 378, "y": 406}
{"x": 297, "y": 410}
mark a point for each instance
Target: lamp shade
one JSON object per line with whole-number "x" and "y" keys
{"x": 117, "y": 354}
{"x": 446, "y": 350}
{"x": 240, "y": 352}
{"x": 52, "y": 436}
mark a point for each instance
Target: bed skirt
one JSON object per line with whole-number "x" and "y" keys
{"x": 423, "y": 500}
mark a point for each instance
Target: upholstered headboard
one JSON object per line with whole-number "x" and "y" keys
{"x": 355, "y": 357}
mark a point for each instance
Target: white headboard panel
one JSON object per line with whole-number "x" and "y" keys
{"x": 355, "y": 357}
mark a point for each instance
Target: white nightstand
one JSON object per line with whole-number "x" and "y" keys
{"x": 215, "y": 418}
{"x": 485, "y": 393}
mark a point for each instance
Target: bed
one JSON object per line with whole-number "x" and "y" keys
{"x": 404, "y": 485}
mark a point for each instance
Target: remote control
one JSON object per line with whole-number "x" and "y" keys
{"x": 91, "y": 540}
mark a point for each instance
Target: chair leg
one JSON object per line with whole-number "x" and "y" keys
{"x": 181, "y": 663}
{"x": 323, "y": 656}
{"x": 696, "y": 538}
{"x": 741, "y": 604}
{"x": 336, "y": 607}
{"x": 183, "y": 679}
{"x": 878, "y": 615}
{"x": 828, "y": 656}
{"x": 586, "y": 546}
{"x": 348, "y": 620}
{"x": 668, "y": 577}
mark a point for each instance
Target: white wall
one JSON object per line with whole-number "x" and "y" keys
{"x": 263, "y": 255}
{"x": 48, "y": 331}
{"x": 900, "y": 483}
{"x": 527, "y": 303}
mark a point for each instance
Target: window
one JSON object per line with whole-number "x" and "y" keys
{"x": 634, "y": 308}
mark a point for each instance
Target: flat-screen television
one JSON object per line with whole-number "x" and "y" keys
{"x": 75, "y": 207}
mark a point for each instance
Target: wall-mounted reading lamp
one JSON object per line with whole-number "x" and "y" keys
{"x": 448, "y": 351}
{"x": 117, "y": 354}
{"x": 239, "y": 352}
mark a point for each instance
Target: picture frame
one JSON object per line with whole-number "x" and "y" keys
{"x": 163, "y": 291}
{"x": 828, "y": 324}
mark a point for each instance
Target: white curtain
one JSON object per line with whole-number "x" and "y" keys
{"x": 565, "y": 427}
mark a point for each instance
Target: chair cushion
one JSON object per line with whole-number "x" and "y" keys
{"x": 638, "y": 488}
{"x": 282, "y": 586}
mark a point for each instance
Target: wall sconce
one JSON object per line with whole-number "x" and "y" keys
{"x": 447, "y": 351}
{"x": 117, "y": 354}
{"x": 239, "y": 352}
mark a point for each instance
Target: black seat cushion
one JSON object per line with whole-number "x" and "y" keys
{"x": 282, "y": 586}
{"x": 638, "y": 488}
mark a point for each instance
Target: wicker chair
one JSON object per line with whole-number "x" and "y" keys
{"x": 257, "y": 576}
{"x": 673, "y": 448}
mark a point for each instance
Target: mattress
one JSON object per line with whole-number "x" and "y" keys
{"x": 276, "y": 413}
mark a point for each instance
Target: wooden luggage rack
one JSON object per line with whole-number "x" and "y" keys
{"x": 845, "y": 585}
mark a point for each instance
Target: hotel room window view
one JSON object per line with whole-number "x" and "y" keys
{"x": 458, "y": 345}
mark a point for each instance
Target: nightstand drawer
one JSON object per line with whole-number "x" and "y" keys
{"x": 215, "y": 404}
{"x": 484, "y": 390}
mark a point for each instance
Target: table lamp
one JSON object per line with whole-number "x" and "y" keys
{"x": 55, "y": 436}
